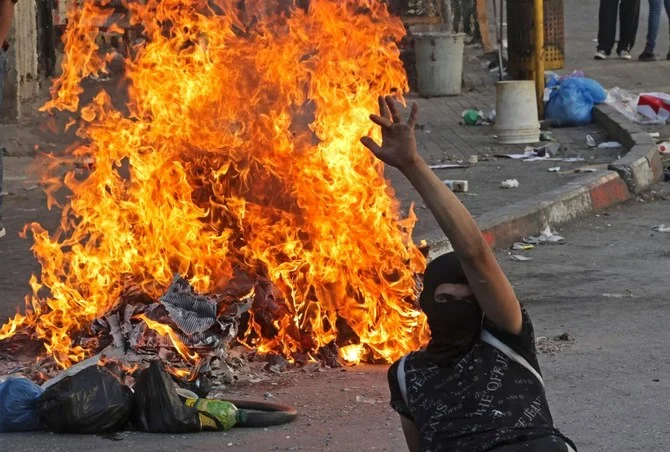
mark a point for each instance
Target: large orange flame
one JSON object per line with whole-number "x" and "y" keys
{"x": 238, "y": 149}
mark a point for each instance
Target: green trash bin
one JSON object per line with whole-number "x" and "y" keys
{"x": 520, "y": 32}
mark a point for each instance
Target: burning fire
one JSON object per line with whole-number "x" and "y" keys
{"x": 237, "y": 150}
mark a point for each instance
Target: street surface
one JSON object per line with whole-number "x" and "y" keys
{"x": 606, "y": 286}
{"x": 608, "y": 389}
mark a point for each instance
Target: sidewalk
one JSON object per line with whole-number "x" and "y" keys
{"x": 442, "y": 140}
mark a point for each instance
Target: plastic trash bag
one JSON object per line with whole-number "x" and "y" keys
{"x": 158, "y": 408}
{"x": 18, "y": 405}
{"x": 572, "y": 101}
{"x": 92, "y": 401}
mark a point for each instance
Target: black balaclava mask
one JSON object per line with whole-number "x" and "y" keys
{"x": 454, "y": 324}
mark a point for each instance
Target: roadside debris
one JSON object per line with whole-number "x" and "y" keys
{"x": 647, "y": 108}
{"x": 18, "y": 405}
{"x": 609, "y": 145}
{"x": 546, "y": 236}
{"x": 520, "y": 258}
{"x": 472, "y": 117}
{"x": 457, "y": 186}
{"x": 590, "y": 141}
{"x": 555, "y": 345}
{"x": 519, "y": 246}
{"x": 572, "y": 98}
{"x": 92, "y": 401}
{"x": 661, "y": 228}
{"x": 446, "y": 166}
{"x": 547, "y": 136}
{"x": 664, "y": 148}
{"x": 509, "y": 183}
{"x": 363, "y": 399}
{"x": 554, "y": 169}
{"x": 473, "y": 159}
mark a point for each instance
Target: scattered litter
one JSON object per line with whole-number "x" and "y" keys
{"x": 509, "y": 183}
{"x": 613, "y": 295}
{"x": 547, "y": 136}
{"x": 609, "y": 145}
{"x": 31, "y": 188}
{"x": 519, "y": 246}
{"x": 651, "y": 108}
{"x": 472, "y": 117}
{"x": 572, "y": 99}
{"x": 473, "y": 159}
{"x": 520, "y": 258}
{"x": 18, "y": 408}
{"x": 661, "y": 228}
{"x": 530, "y": 154}
{"x": 457, "y": 186}
{"x": 664, "y": 148}
{"x": 92, "y": 401}
{"x": 447, "y": 166}
{"x": 554, "y": 169}
{"x": 655, "y": 134}
{"x": 363, "y": 399}
{"x": 565, "y": 337}
{"x": 546, "y": 236}
{"x": 158, "y": 408}
{"x": 590, "y": 141}
{"x": 573, "y": 159}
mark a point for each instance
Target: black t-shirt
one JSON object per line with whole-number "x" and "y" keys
{"x": 482, "y": 402}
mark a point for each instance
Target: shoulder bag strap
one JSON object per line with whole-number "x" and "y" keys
{"x": 490, "y": 339}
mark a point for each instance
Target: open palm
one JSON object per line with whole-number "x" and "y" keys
{"x": 398, "y": 147}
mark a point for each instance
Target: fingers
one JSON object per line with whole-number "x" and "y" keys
{"x": 384, "y": 122}
{"x": 383, "y": 108}
{"x": 395, "y": 115}
{"x": 411, "y": 122}
{"x": 371, "y": 144}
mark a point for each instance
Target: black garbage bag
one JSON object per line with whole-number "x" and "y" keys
{"x": 91, "y": 401}
{"x": 158, "y": 408}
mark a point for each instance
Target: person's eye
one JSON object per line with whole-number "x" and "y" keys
{"x": 443, "y": 298}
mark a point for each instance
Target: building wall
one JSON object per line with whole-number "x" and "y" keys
{"x": 22, "y": 83}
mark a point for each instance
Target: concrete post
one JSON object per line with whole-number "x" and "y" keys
{"x": 22, "y": 82}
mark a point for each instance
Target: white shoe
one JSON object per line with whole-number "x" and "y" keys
{"x": 600, "y": 55}
{"x": 3, "y": 231}
{"x": 625, "y": 55}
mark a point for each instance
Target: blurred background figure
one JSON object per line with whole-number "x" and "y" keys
{"x": 628, "y": 12}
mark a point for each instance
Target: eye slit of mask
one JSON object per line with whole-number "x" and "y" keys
{"x": 446, "y": 298}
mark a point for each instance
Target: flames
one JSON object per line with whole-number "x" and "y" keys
{"x": 237, "y": 150}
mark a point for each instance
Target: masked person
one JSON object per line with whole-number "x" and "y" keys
{"x": 477, "y": 386}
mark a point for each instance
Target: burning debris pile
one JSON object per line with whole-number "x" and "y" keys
{"x": 236, "y": 164}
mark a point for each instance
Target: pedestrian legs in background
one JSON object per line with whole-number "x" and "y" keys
{"x": 629, "y": 17}
{"x": 652, "y": 28}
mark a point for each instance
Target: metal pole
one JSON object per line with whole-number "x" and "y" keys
{"x": 538, "y": 55}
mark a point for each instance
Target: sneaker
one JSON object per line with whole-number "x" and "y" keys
{"x": 625, "y": 55}
{"x": 647, "y": 56}
{"x": 3, "y": 231}
{"x": 600, "y": 55}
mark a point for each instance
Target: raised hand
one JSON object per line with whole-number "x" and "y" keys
{"x": 398, "y": 146}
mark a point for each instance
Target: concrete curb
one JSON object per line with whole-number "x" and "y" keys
{"x": 633, "y": 173}
{"x": 641, "y": 167}
{"x": 502, "y": 227}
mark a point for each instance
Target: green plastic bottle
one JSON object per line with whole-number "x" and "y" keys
{"x": 225, "y": 412}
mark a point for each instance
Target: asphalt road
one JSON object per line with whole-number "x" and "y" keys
{"x": 606, "y": 286}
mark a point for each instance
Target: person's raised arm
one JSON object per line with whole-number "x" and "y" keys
{"x": 6, "y": 14}
{"x": 487, "y": 280}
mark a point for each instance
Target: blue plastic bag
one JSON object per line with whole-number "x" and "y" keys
{"x": 571, "y": 103}
{"x": 18, "y": 405}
